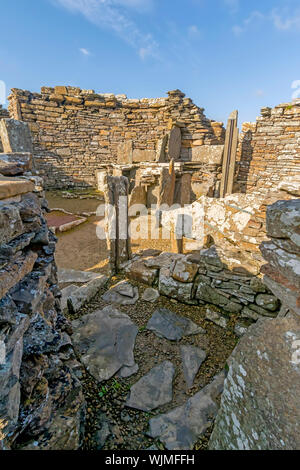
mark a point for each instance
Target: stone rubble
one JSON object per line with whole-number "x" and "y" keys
{"x": 122, "y": 293}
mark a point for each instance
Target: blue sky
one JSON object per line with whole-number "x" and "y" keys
{"x": 224, "y": 54}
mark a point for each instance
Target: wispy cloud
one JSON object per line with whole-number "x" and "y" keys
{"x": 84, "y": 51}
{"x": 282, "y": 20}
{"x": 286, "y": 21}
{"x": 112, "y": 15}
{"x": 255, "y": 17}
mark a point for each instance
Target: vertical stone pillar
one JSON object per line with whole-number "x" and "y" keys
{"x": 231, "y": 143}
{"x": 174, "y": 143}
{"x": 185, "y": 189}
{"x": 117, "y": 221}
{"x": 167, "y": 185}
{"x": 177, "y": 233}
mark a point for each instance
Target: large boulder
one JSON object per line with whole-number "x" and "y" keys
{"x": 260, "y": 407}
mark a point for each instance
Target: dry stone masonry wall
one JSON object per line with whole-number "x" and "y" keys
{"x": 269, "y": 149}
{"x": 206, "y": 279}
{"x": 75, "y": 132}
{"x": 261, "y": 403}
{"x": 41, "y": 400}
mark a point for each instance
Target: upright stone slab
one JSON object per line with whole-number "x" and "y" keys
{"x": 125, "y": 152}
{"x": 260, "y": 407}
{"x": 161, "y": 156}
{"x": 167, "y": 185}
{"x": 174, "y": 145}
{"x": 185, "y": 188}
{"x": 231, "y": 143}
{"x": 138, "y": 196}
{"x": 117, "y": 226}
{"x": 15, "y": 136}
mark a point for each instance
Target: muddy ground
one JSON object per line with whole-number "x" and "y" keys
{"x": 80, "y": 248}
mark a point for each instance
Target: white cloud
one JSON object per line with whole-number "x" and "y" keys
{"x": 286, "y": 22}
{"x": 254, "y": 18}
{"x": 282, "y": 20}
{"x": 107, "y": 14}
{"x": 84, "y": 51}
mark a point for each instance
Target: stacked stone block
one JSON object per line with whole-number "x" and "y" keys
{"x": 282, "y": 273}
{"x": 206, "y": 278}
{"x": 75, "y": 131}
{"x": 260, "y": 406}
{"x": 41, "y": 400}
{"x": 269, "y": 149}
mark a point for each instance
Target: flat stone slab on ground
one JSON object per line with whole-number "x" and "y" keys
{"x": 154, "y": 389}
{"x": 126, "y": 371}
{"x": 216, "y": 318}
{"x": 65, "y": 294}
{"x": 72, "y": 276}
{"x": 150, "y": 295}
{"x": 105, "y": 342}
{"x": 192, "y": 358}
{"x": 85, "y": 293}
{"x": 169, "y": 325}
{"x": 122, "y": 293}
{"x": 180, "y": 428}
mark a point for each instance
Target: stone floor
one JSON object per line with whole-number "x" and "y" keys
{"x": 154, "y": 369}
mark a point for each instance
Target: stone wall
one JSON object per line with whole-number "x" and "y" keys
{"x": 207, "y": 279}
{"x": 269, "y": 149}
{"x": 41, "y": 400}
{"x": 75, "y": 132}
{"x": 282, "y": 273}
{"x": 236, "y": 224}
{"x": 260, "y": 407}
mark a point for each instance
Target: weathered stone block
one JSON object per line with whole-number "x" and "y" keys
{"x": 262, "y": 370}
{"x": 137, "y": 271}
{"x": 139, "y": 156}
{"x": 15, "y": 136}
{"x": 11, "y": 187}
{"x": 283, "y": 220}
{"x": 174, "y": 289}
{"x": 125, "y": 152}
{"x": 174, "y": 144}
{"x": 184, "y": 271}
{"x": 11, "y": 225}
{"x": 210, "y": 154}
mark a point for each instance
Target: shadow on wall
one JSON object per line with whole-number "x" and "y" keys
{"x": 243, "y": 165}
{"x": 59, "y": 176}
{"x": 207, "y": 277}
